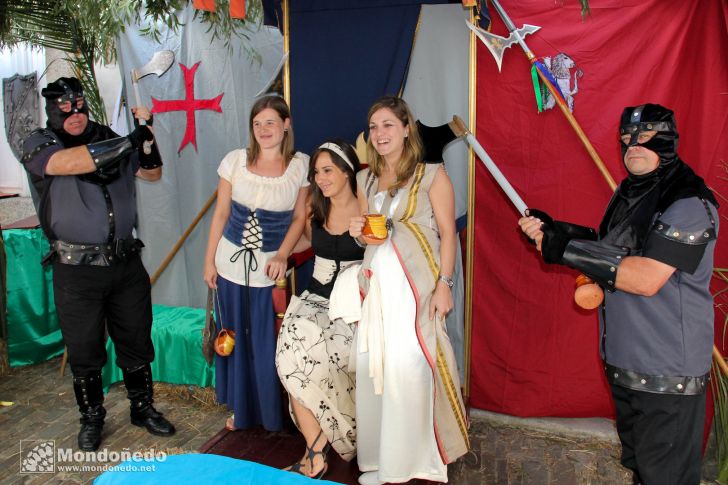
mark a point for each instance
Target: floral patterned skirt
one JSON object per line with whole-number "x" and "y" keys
{"x": 312, "y": 358}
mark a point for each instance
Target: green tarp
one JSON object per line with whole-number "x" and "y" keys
{"x": 34, "y": 335}
{"x": 177, "y": 338}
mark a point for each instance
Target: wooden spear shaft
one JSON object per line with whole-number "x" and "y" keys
{"x": 557, "y": 96}
{"x": 577, "y": 128}
{"x": 183, "y": 238}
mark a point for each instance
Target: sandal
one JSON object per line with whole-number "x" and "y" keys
{"x": 296, "y": 468}
{"x": 311, "y": 454}
{"x": 230, "y": 423}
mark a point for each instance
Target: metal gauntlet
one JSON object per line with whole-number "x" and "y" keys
{"x": 595, "y": 259}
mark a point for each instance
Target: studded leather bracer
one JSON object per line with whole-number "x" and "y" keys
{"x": 107, "y": 155}
{"x": 597, "y": 260}
{"x": 109, "y": 152}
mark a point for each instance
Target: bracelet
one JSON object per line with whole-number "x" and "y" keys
{"x": 358, "y": 243}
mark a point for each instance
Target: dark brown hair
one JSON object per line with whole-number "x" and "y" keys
{"x": 320, "y": 205}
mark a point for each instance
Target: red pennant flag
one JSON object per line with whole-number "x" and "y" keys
{"x": 237, "y": 9}
{"x": 208, "y": 5}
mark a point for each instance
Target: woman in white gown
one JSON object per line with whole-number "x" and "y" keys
{"x": 410, "y": 414}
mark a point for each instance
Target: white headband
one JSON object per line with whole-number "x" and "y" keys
{"x": 337, "y": 149}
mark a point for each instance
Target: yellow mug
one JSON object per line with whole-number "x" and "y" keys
{"x": 375, "y": 228}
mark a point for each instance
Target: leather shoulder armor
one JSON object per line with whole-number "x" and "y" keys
{"x": 676, "y": 235}
{"x": 679, "y": 248}
{"x": 37, "y": 141}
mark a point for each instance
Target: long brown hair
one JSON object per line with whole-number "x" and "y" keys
{"x": 279, "y": 105}
{"x": 320, "y": 205}
{"x": 412, "y": 151}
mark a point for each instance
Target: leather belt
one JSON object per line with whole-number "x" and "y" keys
{"x": 657, "y": 384}
{"x": 93, "y": 254}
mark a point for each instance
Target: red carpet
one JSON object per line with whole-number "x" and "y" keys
{"x": 278, "y": 450}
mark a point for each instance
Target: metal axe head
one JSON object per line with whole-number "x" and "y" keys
{"x": 497, "y": 44}
{"x": 160, "y": 62}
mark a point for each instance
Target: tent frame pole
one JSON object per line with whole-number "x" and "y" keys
{"x": 470, "y": 234}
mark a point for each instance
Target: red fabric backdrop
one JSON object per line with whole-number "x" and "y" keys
{"x": 534, "y": 352}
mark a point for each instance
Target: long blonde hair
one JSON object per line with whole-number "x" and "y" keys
{"x": 412, "y": 151}
{"x": 279, "y": 105}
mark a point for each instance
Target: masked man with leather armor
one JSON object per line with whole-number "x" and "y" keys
{"x": 653, "y": 255}
{"x": 85, "y": 175}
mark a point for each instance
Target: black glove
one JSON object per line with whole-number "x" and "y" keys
{"x": 140, "y": 134}
{"x": 151, "y": 160}
{"x": 557, "y": 234}
{"x": 554, "y": 239}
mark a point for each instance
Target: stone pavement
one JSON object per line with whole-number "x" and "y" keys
{"x": 45, "y": 409}
{"x": 505, "y": 450}
{"x": 513, "y": 451}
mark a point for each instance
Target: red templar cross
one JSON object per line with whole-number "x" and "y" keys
{"x": 189, "y": 104}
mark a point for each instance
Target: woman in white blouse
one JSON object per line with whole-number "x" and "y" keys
{"x": 259, "y": 217}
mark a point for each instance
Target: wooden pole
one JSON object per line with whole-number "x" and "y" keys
{"x": 183, "y": 238}
{"x": 470, "y": 228}
{"x": 720, "y": 361}
{"x": 577, "y": 128}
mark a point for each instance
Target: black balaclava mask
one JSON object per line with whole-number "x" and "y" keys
{"x": 632, "y": 210}
{"x": 62, "y": 90}
{"x": 651, "y": 117}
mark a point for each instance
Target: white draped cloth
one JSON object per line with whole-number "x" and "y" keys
{"x": 395, "y": 430}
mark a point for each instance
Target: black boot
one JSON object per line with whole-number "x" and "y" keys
{"x": 139, "y": 390}
{"x": 90, "y": 399}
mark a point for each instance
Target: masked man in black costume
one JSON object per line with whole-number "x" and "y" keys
{"x": 654, "y": 256}
{"x": 84, "y": 174}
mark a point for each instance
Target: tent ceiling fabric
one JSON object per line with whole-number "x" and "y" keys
{"x": 344, "y": 55}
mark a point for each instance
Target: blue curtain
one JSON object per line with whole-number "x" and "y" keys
{"x": 344, "y": 55}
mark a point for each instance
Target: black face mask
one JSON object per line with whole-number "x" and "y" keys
{"x": 629, "y": 216}
{"x": 651, "y": 117}
{"x": 65, "y": 89}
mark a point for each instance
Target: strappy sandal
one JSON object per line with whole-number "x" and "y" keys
{"x": 311, "y": 454}
{"x": 296, "y": 468}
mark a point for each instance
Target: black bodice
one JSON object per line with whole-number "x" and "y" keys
{"x": 340, "y": 247}
{"x": 336, "y": 247}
